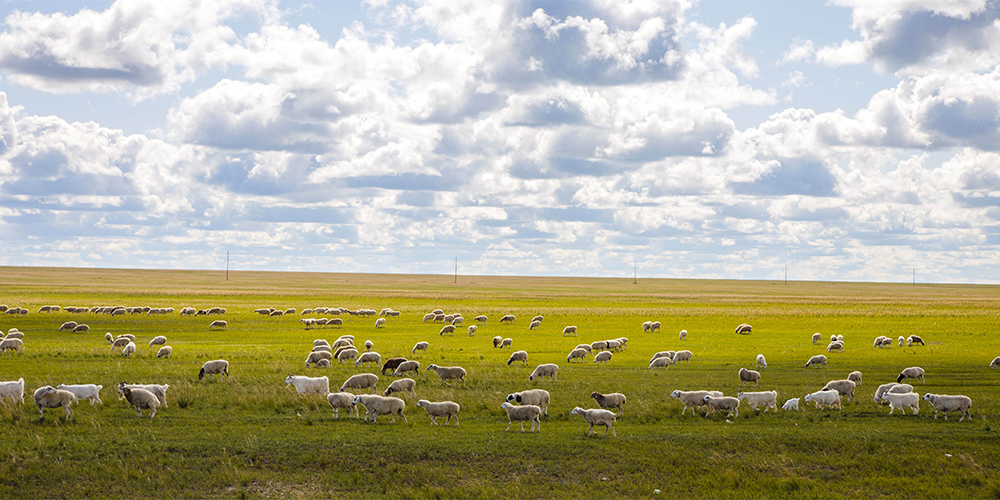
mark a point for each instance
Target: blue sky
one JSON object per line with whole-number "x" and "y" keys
{"x": 850, "y": 140}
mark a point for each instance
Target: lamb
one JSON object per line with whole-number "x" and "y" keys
{"x": 377, "y": 405}
{"x": 683, "y": 335}
{"x": 407, "y": 366}
{"x": 158, "y": 340}
{"x": 520, "y": 414}
{"x": 448, "y": 373}
{"x": 472, "y": 330}
{"x": 50, "y": 397}
{"x": 749, "y": 376}
{"x": 521, "y": 356}
{"x": 545, "y": 370}
{"x": 902, "y": 341}
{"x": 535, "y": 324}
{"x": 506, "y": 342}
{"x": 886, "y": 342}
{"x": 129, "y": 349}
{"x": 790, "y": 404}
{"x": 318, "y": 385}
{"x": 995, "y": 363}
{"x": 340, "y": 400}
{"x": 315, "y": 356}
{"x": 661, "y": 362}
{"x": 594, "y": 417}
{"x": 913, "y": 339}
{"x": 369, "y": 357}
{"x": 855, "y": 377}
{"x": 744, "y": 329}
{"x": 446, "y": 409}
{"x": 684, "y": 356}
{"x": 724, "y": 403}
{"x": 368, "y": 345}
{"x": 602, "y": 357}
{"x": 120, "y": 342}
{"x": 577, "y": 353}
{"x": 569, "y": 330}
{"x": 816, "y": 337}
{"x": 420, "y": 346}
{"x": 11, "y": 345}
{"x": 84, "y": 391}
{"x": 347, "y": 355}
{"x": 497, "y": 340}
{"x": 818, "y": 360}
{"x": 219, "y": 323}
{"x": 160, "y": 391}
{"x": 614, "y": 400}
{"x": 323, "y": 363}
{"x": 81, "y": 329}
{"x": 537, "y": 397}
{"x": 380, "y": 323}
{"x": 401, "y": 385}
{"x": 843, "y": 387}
{"x": 692, "y": 399}
{"x": 13, "y": 389}
{"x": 654, "y": 326}
{"x": 457, "y": 321}
{"x": 69, "y": 325}
{"x": 902, "y": 401}
{"x": 767, "y": 399}
{"x": 944, "y": 403}
{"x": 761, "y": 362}
{"x": 481, "y": 319}
{"x": 391, "y": 364}
{"x": 824, "y": 399}
{"x": 214, "y": 367}
{"x": 835, "y": 347}
{"x": 833, "y": 338}
{"x": 360, "y": 381}
{"x": 911, "y": 372}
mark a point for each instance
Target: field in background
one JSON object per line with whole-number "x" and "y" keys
{"x": 250, "y": 435}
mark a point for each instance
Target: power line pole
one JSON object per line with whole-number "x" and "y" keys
{"x": 914, "y": 275}
{"x": 635, "y": 272}
{"x": 786, "y": 273}
{"x": 456, "y": 270}
{"x": 227, "y": 265}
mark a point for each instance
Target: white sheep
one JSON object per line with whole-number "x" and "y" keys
{"x": 11, "y": 345}
{"x": 749, "y": 376}
{"x": 911, "y": 372}
{"x": 369, "y": 357}
{"x": 790, "y": 404}
{"x": 683, "y": 335}
{"x": 305, "y": 385}
{"x": 360, "y": 381}
{"x": 69, "y": 325}
{"x": 767, "y": 399}
{"x": 320, "y": 342}
{"x": 380, "y": 323}
{"x": 824, "y": 399}
{"x": 158, "y": 340}
{"x": 516, "y": 356}
{"x": 902, "y": 341}
{"x": 602, "y": 357}
{"x": 662, "y": 354}
{"x": 323, "y": 363}
{"x": 214, "y": 367}
{"x": 913, "y": 339}
{"x": 340, "y": 400}
{"x": 165, "y": 352}
{"x": 420, "y": 346}
{"x": 449, "y": 329}
{"x": 945, "y": 403}
{"x": 761, "y": 362}
{"x": 342, "y": 342}
{"x": 84, "y": 391}
{"x": 537, "y": 397}
{"x": 429, "y": 317}
{"x": 481, "y": 319}
{"x": 645, "y": 326}
{"x": 160, "y": 391}
{"x": 723, "y": 403}
{"x": 569, "y": 330}
{"x": 120, "y": 342}
{"x": 219, "y": 323}
{"x": 995, "y": 363}
{"x": 315, "y": 356}
{"x": 472, "y": 330}
{"x": 902, "y": 401}
{"x": 129, "y": 349}
{"x": 141, "y": 399}
{"x": 613, "y": 400}
{"x": 407, "y": 366}
{"x": 521, "y": 414}
{"x": 13, "y": 389}
{"x": 448, "y": 409}
{"x": 817, "y": 360}
{"x": 833, "y": 338}
{"x": 534, "y": 324}
{"x": 378, "y": 405}
{"x": 449, "y": 373}
{"x": 684, "y": 356}
{"x": 855, "y": 377}
{"x": 508, "y": 318}
{"x": 693, "y": 399}
{"x": 661, "y": 362}
{"x": 835, "y": 347}
{"x": 81, "y": 329}
{"x": 595, "y": 416}
{"x": 744, "y": 329}
{"x": 654, "y": 326}
{"x": 577, "y": 353}
{"x": 109, "y": 338}
{"x": 50, "y": 397}
{"x": 600, "y": 345}
{"x": 347, "y": 355}
{"x": 840, "y": 338}
{"x": 401, "y": 385}
{"x": 544, "y": 370}
{"x": 816, "y": 338}
{"x": 843, "y": 387}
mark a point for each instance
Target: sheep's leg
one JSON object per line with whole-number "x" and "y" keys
{"x": 152, "y": 412}
{"x": 522, "y": 425}
{"x": 606, "y": 427}
{"x": 456, "y": 420}
{"x": 404, "y": 417}
{"x": 508, "y": 425}
{"x": 41, "y": 414}
{"x": 435, "y": 423}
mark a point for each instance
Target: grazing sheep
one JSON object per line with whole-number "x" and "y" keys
{"x": 378, "y": 405}
{"x": 683, "y": 335}
{"x": 14, "y": 334}
{"x": 693, "y": 399}
{"x": 457, "y": 321}
{"x": 420, "y": 346}
{"x": 535, "y": 324}
{"x": 446, "y": 409}
{"x": 472, "y": 330}
{"x": 368, "y": 345}
{"x": 405, "y": 367}
{"x": 816, "y": 338}
{"x": 614, "y": 400}
{"x": 577, "y": 353}
{"x": 507, "y": 342}
{"x": 13, "y": 389}
{"x": 882, "y": 389}
{"x": 322, "y": 348}
{"x": 824, "y": 399}
{"x": 594, "y": 417}
{"x": 537, "y": 397}
{"x": 391, "y": 364}
{"x": 429, "y": 317}
{"x": 855, "y": 377}
{"x": 833, "y": 338}
{"x": 600, "y": 345}
{"x": 818, "y": 360}
{"x": 744, "y": 329}
{"x": 481, "y": 319}
{"x": 569, "y": 330}
{"x": 724, "y": 403}
{"x": 141, "y": 399}
{"x": 214, "y": 367}
{"x": 995, "y": 363}
{"x": 81, "y": 329}
{"x": 684, "y": 356}
{"x": 662, "y": 354}
{"x": 369, "y": 357}
{"x": 913, "y": 339}
{"x": 902, "y": 401}
{"x": 749, "y": 376}
{"x": 902, "y": 341}
{"x": 878, "y": 341}
{"x": 835, "y": 347}
{"x": 840, "y": 338}
{"x": 129, "y": 349}
{"x": 107, "y": 337}
{"x": 767, "y": 399}
{"x": 219, "y": 323}
{"x": 538, "y": 319}
{"x": 911, "y": 372}
{"x": 944, "y": 403}
{"x": 886, "y": 343}
{"x": 585, "y": 347}
{"x": 380, "y": 323}
{"x": 120, "y": 342}
{"x": 342, "y": 342}
{"x": 521, "y": 356}
{"x": 449, "y": 329}
{"x": 544, "y": 370}
{"x": 613, "y": 345}
{"x": 401, "y": 385}
{"x": 347, "y": 355}
{"x": 315, "y": 356}
{"x": 360, "y": 381}
{"x": 520, "y": 414}
{"x": 661, "y": 362}
{"x": 497, "y": 340}
{"x": 160, "y": 391}
{"x": 449, "y": 373}
{"x": 448, "y": 318}
{"x": 340, "y": 400}
{"x": 158, "y": 340}
{"x": 508, "y": 318}
{"x": 323, "y": 363}
{"x": 128, "y": 336}
{"x": 319, "y": 342}
{"x": 308, "y": 322}
{"x": 335, "y": 322}
{"x": 843, "y": 387}
{"x": 50, "y": 397}
{"x": 602, "y": 357}
{"x": 69, "y": 325}
{"x": 792, "y": 403}
{"x": 439, "y": 318}
{"x": 11, "y": 345}
{"x": 318, "y": 385}
{"x": 761, "y": 362}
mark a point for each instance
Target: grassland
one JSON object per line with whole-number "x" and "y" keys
{"x": 251, "y": 436}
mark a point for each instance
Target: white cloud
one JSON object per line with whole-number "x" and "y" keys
{"x": 800, "y": 50}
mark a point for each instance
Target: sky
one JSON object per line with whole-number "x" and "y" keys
{"x": 846, "y": 140}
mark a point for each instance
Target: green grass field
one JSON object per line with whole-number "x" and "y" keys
{"x": 251, "y": 436}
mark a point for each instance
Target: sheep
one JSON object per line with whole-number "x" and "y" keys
{"x": 855, "y": 377}
{"x": 160, "y": 391}
{"x": 662, "y": 354}
{"x": 120, "y": 342}
{"x": 303, "y": 385}
{"x": 843, "y": 387}
{"x": 69, "y": 325}
{"x": 761, "y": 362}
{"x": 14, "y": 334}
{"x": 472, "y": 330}
{"x": 129, "y": 349}
{"x": 538, "y": 319}
{"x": 323, "y": 363}
{"x": 521, "y": 356}
{"x": 594, "y": 417}
{"x": 683, "y": 335}
{"x": 446, "y": 409}
{"x": 692, "y": 399}
{"x": 369, "y": 357}
{"x": 882, "y": 390}
{"x": 816, "y": 337}
{"x": 457, "y": 321}
{"x": 767, "y": 399}
{"x": 128, "y": 336}
{"x": 368, "y": 345}
{"x": 340, "y": 400}
{"x": 520, "y": 414}
{"x": 835, "y": 347}
{"x": 429, "y": 316}
{"x": 219, "y": 323}
{"x": 449, "y": 318}
{"x": 439, "y": 318}
{"x": 886, "y": 342}
{"x": 744, "y": 329}
{"x": 684, "y": 356}
{"x": 315, "y": 356}
{"x": 723, "y": 403}
{"x": 614, "y": 400}
{"x": 360, "y": 381}
{"x": 449, "y": 372}
{"x": 319, "y": 342}
{"x": 378, "y": 405}
{"x": 537, "y": 397}
{"x": 902, "y": 341}
{"x": 308, "y": 322}
{"x": 661, "y": 362}
{"x": 792, "y": 403}
{"x": 506, "y": 342}
{"x": 508, "y": 318}
{"x": 913, "y": 339}
{"x": 497, "y": 340}
{"x": 11, "y": 344}
{"x": 902, "y": 401}
{"x": 995, "y": 363}
{"x": 535, "y": 324}
{"x": 840, "y": 338}
{"x": 50, "y": 397}
{"x": 544, "y": 370}
{"x": 342, "y": 342}
{"x": 158, "y": 340}
{"x": 944, "y": 403}
{"x": 818, "y": 360}
{"x": 833, "y": 338}
{"x": 824, "y": 399}
{"x": 13, "y": 389}
{"x": 380, "y": 323}
{"x": 481, "y": 319}
{"x": 81, "y": 329}
{"x": 613, "y": 345}
{"x": 600, "y": 345}
{"x": 322, "y": 348}
{"x": 577, "y": 353}
{"x": 391, "y": 364}
{"x": 347, "y": 355}
{"x": 401, "y": 385}
{"x": 911, "y": 372}
{"x": 569, "y": 330}
{"x": 449, "y": 329}
{"x": 420, "y": 346}
{"x": 407, "y": 366}
{"x": 214, "y": 367}
{"x": 335, "y": 322}
{"x": 749, "y": 376}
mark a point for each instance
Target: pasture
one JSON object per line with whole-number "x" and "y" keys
{"x": 250, "y": 435}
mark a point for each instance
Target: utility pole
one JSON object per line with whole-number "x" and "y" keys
{"x": 227, "y": 265}
{"x": 914, "y": 275}
{"x": 786, "y": 273}
{"x": 635, "y": 272}
{"x": 456, "y": 270}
